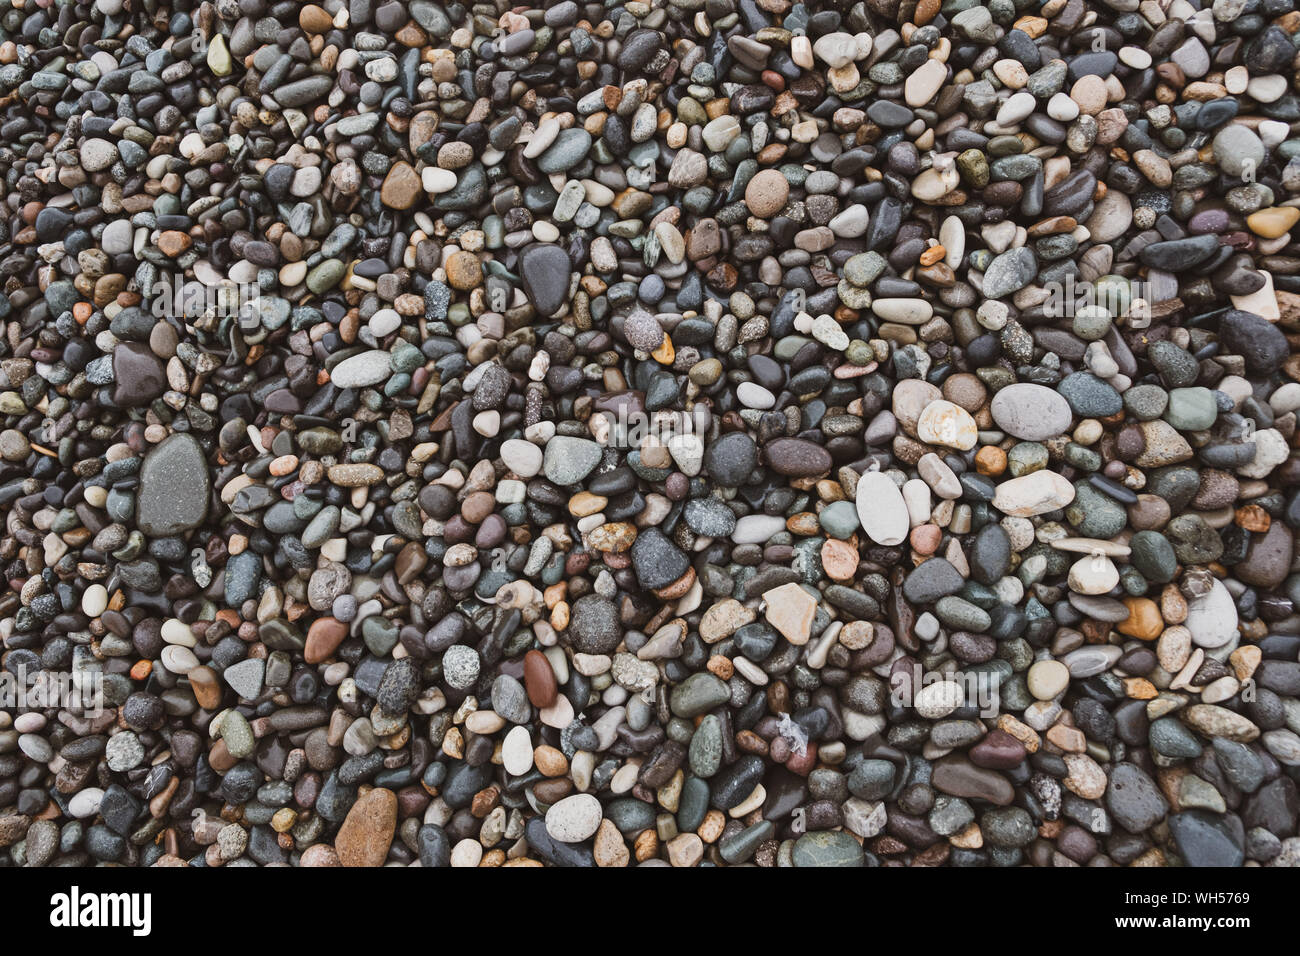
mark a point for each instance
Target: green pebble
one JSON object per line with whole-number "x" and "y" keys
{"x": 827, "y": 848}
{"x": 1192, "y": 409}
{"x": 1093, "y": 514}
{"x": 1026, "y": 458}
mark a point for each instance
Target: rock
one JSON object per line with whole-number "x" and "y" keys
{"x": 1212, "y": 618}
{"x": 949, "y": 425}
{"x": 1257, "y": 340}
{"x": 1237, "y": 149}
{"x": 363, "y": 370}
{"x": 1206, "y": 839}
{"x": 790, "y": 609}
{"x": 568, "y": 461}
{"x": 1090, "y": 397}
{"x": 574, "y": 818}
{"x": 766, "y": 193}
{"x": 367, "y": 832}
{"x": 245, "y": 677}
{"x": 1010, "y": 272}
{"x": 545, "y": 272}
{"x": 522, "y": 457}
{"x": 138, "y": 374}
{"x": 1031, "y": 412}
{"x": 594, "y": 626}
{"x": 1133, "y": 798}
{"x": 1214, "y": 721}
{"x": 400, "y": 189}
{"x": 958, "y": 777}
{"x": 881, "y": 509}
{"x": 932, "y": 580}
{"x": 796, "y": 457}
{"x": 1033, "y": 494}
{"x": 697, "y": 694}
{"x": 731, "y": 459}
{"x": 657, "y": 561}
{"x": 827, "y": 848}
{"x": 174, "y": 488}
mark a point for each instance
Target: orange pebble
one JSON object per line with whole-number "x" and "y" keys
{"x": 925, "y": 538}
{"x": 990, "y": 460}
{"x": 932, "y": 255}
{"x": 1144, "y": 621}
{"x": 839, "y": 559}
{"x": 1253, "y": 518}
{"x": 230, "y": 616}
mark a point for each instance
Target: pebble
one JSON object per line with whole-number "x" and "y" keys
{"x": 568, "y": 461}
{"x": 367, "y": 832}
{"x": 574, "y": 818}
{"x": 881, "y": 509}
{"x": 1031, "y": 412}
{"x": 696, "y": 406}
{"x": 1033, "y": 494}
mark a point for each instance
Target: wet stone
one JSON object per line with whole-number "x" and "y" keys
{"x": 713, "y": 434}
{"x": 174, "y": 488}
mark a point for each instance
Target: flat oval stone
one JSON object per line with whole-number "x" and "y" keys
{"x": 574, "y": 818}
{"x": 1033, "y": 494}
{"x": 881, "y": 509}
{"x": 959, "y": 777}
{"x": 1031, "y": 412}
{"x": 796, "y": 457}
{"x": 827, "y": 848}
{"x": 367, "y": 832}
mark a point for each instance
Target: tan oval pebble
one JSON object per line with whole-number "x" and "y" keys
{"x": 685, "y": 850}
{"x": 1084, "y": 777}
{"x": 1173, "y": 648}
{"x": 766, "y": 193}
{"x": 484, "y": 722}
{"x": 1047, "y": 679}
{"x": 551, "y": 762}
{"x": 1215, "y": 721}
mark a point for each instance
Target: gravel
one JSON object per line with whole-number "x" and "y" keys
{"x": 606, "y": 435}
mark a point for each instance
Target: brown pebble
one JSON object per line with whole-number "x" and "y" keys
{"x": 539, "y": 679}
{"x": 367, "y": 832}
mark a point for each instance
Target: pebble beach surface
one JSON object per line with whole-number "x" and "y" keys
{"x": 710, "y": 432}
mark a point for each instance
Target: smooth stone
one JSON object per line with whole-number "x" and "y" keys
{"x": 1033, "y": 494}
{"x": 1212, "y": 617}
{"x": 1031, "y": 412}
{"x": 367, "y": 831}
{"x": 544, "y": 269}
{"x": 1133, "y": 798}
{"x": 175, "y": 487}
{"x": 1208, "y": 839}
{"x": 881, "y": 509}
{"x": 568, "y": 460}
{"x": 827, "y": 848}
{"x": 360, "y": 371}
{"x": 574, "y": 818}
